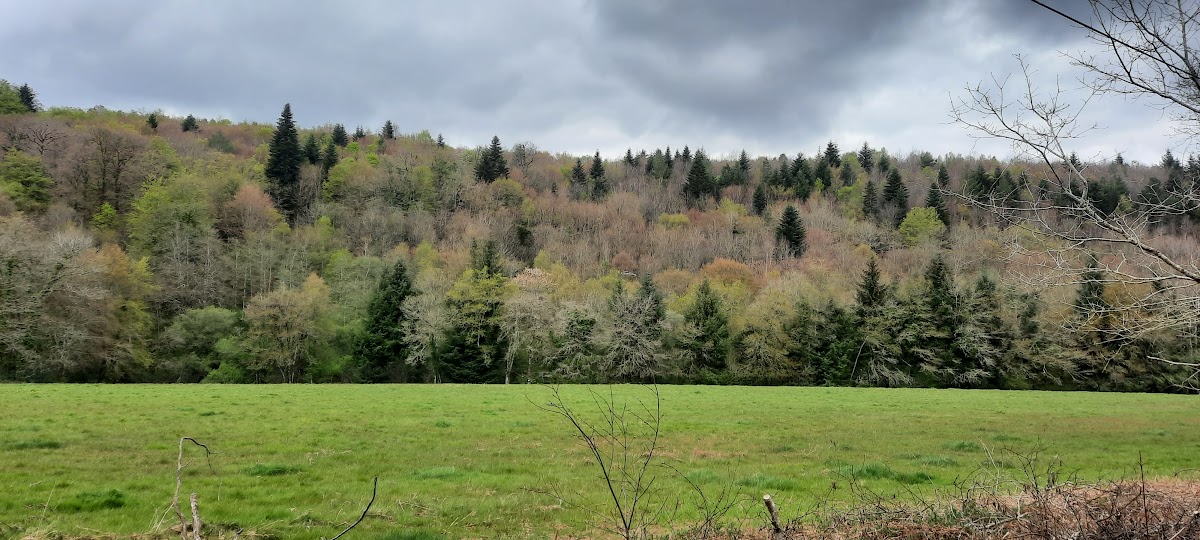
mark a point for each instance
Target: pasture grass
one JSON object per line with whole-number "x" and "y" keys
{"x": 476, "y": 461}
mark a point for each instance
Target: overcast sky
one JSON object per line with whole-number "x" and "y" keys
{"x": 773, "y": 76}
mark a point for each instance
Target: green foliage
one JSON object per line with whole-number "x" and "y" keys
{"x": 790, "y": 233}
{"x": 474, "y": 344}
{"x": 700, "y": 182}
{"x": 866, "y": 158}
{"x": 934, "y": 201}
{"x": 832, "y": 156}
{"x": 10, "y": 99}
{"x": 760, "y": 199}
{"x": 706, "y": 338}
{"x": 92, "y": 501}
{"x": 152, "y": 121}
{"x": 599, "y": 183}
{"x": 579, "y": 180}
{"x": 219, "y": 142}
{"x": 339, "y": 136}
{"x": 167, "y": 213}
{"x": 870, "y": 206}
{"x": 23, "y": 178}
{"x": 383, "y": 347}
{"x": 492, "y": 165}
{"x": 283, "y": 165}
{"x": 922, "y": 224}
{"x": 389, "y": 130}
{"x": 189, "y": 124}
{"x": 312, "y": 149}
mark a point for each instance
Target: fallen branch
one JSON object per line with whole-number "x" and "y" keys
{"x": 374, "y": 489}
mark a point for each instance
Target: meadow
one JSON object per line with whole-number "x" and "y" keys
{"x": 297, "y": 461}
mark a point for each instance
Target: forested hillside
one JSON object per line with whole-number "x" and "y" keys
{"x": 142, "y": 247}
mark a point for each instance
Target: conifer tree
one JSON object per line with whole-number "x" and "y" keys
{"x": 629, "y": 159}
{"x": 686, "y": 156}
{"x": 884, "y": 162}
{"x": 743, "y": 163}
{"x": 579, "y": 180}
{"x": 846, "y": 175}
{"x": 329, "y": 158}
{"x": 823, "y": 174}
{"x": 389, "y": 130}
{"x": 670, "y": 162}
{"x": 1089, "y": 300}
{"x": 700, "y": 182}
{"x": 866, "y": 158}
{"x": 152, "y": 122}
{"x": 832, "y": 156}
{"x": 934, "y": 201}
{"x": 283, "y": 165}
{"x": 871, "y": 293}
{"x": 760, "y": 199}
{"x": 790, "y": 233}
{"x": 312, "y": 149}
{"x": 596, "y": 171}
{"x": 359, "y": 133}
{"x": 871, "y": 201}
{"x": 339, "y": 135}
{"x": 383, "y": 348}
{"x": 943, "y": 177}
{"x": 29, "y": 98}
{"x": 895, "y": 194}
{"x": 189, "y": 124}
{"x": 706, "y": 339}
{"x": 441, "y": 143}
{"x": 492, "y": 165}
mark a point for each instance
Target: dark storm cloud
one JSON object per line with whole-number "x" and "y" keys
{"x": 572, "y": 75}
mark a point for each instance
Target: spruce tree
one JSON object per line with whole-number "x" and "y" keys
{"x": 686, "y": 156}
{"x": 871, "y": 201}
{"x": 790, "y": 233}
{"x": 492, "y": 165}
{"x": 871, "y": 293}
{"x": 596, "y": 171}
{"x": 823, "y": 174}
{"x": 706, "y": 339}
{"x": 441, "y": 143}
{"x": 29, "y": 98}
{"x": 579, "y": 180}
{"x": 339, "y": 135}
{"x": 152, "y": 122}
{"x": 943, "y": 177}
{"x": 383, "y": 348}
{"x": 629, "y": 160}
{"x": 312, "y": 149}
{"x": 329, "y": 158}
{"x": 884, "y": 162}
{"x": 359, "y": 133}
{"x": 389, "y": 130}
{"x": 895, "y": 194}
{"x": 283, "y": 164}
{"x": 700, "y": 182}
{"x": 832, "y": 156}
{"x": 1089, "y": 300}
{"x": 189, "y": 124}
{"x": 934, "y": 201}
{"x": 846, "y": 175}
{"x": 743, "y": 163}
{"x": 866, "y": 158}
{"x": 760, "y": 199}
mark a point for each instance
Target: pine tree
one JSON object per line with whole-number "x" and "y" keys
{"x": 359, "y": 133}
{"x": 687, "y": 154}
{"x": 706, "y": 339}
{"x": 599, "y": 183}
{"x": 579, "y": 180}
{"x": 629, "y": 160}
{"x": 485, "y": 259}
{"x": 283, "y": 165}
{"x": 339, "y": 135}
{"x": 943, "y": 177}
{"x": 760, "y": 199}
{"x": 934, "y": 201}
{"x": 189, "y": 124}
{"x": 389, "y": 130}
{"x": 832, "y": 156}
{"x": 670, "y": 162}
{"x": 441, "y": 143}
{"x": 152, "y": 122}
{"x": 312, "y": 149}
{"x": 329, "y": 158}
{"x": 383, "y": 348}
{"x": 866, "y": 158}
{"x": 743, "y": 163}
{"x": 1089, "y": 300}
{"x": 871, "y": 201}
{"x": 492, "y": 165}
{"x": 846, "y": 175}
{"x": 823, "y": 174}
{"x": 871, "y": 293}
{"x": 791, "y": 233}
{"x": 895, "y": 194}
{"x": 884, "y": 162}
{"x": 29, "y": 98}
{"x": 700, "y": 183}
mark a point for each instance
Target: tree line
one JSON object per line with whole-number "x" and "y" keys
{"x": 138, "y": 247}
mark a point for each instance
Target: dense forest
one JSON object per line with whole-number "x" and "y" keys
{"x": 138, "y": 247}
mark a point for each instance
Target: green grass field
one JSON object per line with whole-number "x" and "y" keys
{"x": 468, "y": 461}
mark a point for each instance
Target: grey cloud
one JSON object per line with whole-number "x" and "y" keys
{"x": 770, "y": 76}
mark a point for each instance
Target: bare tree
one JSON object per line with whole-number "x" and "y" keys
{"x": 1146, "y": 49}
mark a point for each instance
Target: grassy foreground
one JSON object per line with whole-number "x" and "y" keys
{"x": 469, "y": 461}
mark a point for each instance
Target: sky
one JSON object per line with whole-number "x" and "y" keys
{"x": 575, "y": 76}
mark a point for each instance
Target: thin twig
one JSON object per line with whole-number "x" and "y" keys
{"x": 374, "y": 489}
